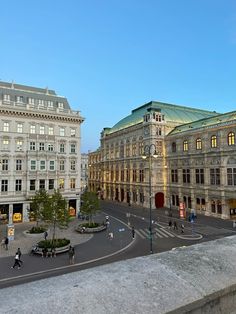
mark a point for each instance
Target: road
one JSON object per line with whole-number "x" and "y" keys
{"x": 100, "y": 250}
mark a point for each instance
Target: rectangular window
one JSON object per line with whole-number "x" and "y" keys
{"x": 19, "y": 144}
{"x": 32, "y": 129}
{"x": 60, "y": 105}
{"x": 4, "y": 164}
{"x": 6, "y": 127}
{"x": 61, "y": 184}
{"x": 32, "y": 146}
{"x": 4, "y": 185}
{"x": 62, "y": 148}
{"x": 5, "y": 143}
{"x": 52, "y": 165}
{"x": 42, "y": 184}
{"x": 72, "y": 165}
{"x": 18, "y": 164}
{"x": 174, "y": 175}
{"x": 72, "y": 132}
{"x": 186, "y": 175}
{"x": 6, "y": 98}
{"x": 72, "y": 148}
{"x": 62, "y": 131}
{"x": 41, "y": 146}
{"x": 32, "y": 185}
{"x": 50, "y": 147}
{"x": 62, "y": 165}
{"x": 51, "y": 184}
{"x": 42, "y": 129}
{"x": 134, "y": 175}
{"x": 215, "y": 176}
{"x": 185, "y": 146}
{"x": 19, "y": 127}
{"x": 41, "y": 103}
{"x": 50, "y": 104}
{"x": 42, "y": 165}
{"x": 31, "y": 101}
{"x": 72, "y": 183}
{"x": 18, "y": 185}
{"x": 198, "y": 144}
{"x": 50, "y": 130}
{"x": 231, "y": 176}
{"x": 199, "y": 173}
{"x": 19, "y": 99}
{"x": 141, "y": 175}
{"x": 33, "y": 165}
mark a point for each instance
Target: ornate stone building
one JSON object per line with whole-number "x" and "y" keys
{"x": 40, "y": 148}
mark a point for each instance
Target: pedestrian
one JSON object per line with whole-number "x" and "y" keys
{"x": 45, "y": 235}
{"x": 182, "y": 228}
{"x": 71, "y": 255}
{"x": 175, "y": 225}
{"x": 110, "y": 235}
{"x": 170, "y": 224}
{"x": 133, "y": 232}
{"x": 6, "y": 243}
{"x": 19, "y": 253}
{"x": 17, "y": 262}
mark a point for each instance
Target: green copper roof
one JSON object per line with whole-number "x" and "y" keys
{"x": 220, "y": 119}
{"x": 174, "y": 113}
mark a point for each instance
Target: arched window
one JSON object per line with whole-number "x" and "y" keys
{"x": 213, "y": 141}
{"x": 231, "y": 138}
{"x": 198, "y": 143}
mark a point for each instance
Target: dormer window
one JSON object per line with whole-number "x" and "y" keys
{"x": 41, "y": 103}
{"x": 31, "y": 101}
{"x": 60, "y": 105}
{"x": 6, "y": 98}
{"x": 19, "y": 99}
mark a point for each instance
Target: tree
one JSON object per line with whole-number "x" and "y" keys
{"x": 56, "y": 212}
{"x": 90, "y": 204}
{"x": 38, "y": 204}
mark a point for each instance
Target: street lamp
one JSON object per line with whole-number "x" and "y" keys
{"x": 150, "y": 152}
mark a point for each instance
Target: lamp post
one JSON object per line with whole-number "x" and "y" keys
{"x": 150, "y": 152}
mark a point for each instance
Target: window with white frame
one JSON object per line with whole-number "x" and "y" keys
{"x": 19, "y": 99}
{"x": 32, "y": 146}
{"x": 32, "y": 185}
{"x": 33, "y": 165}
{"x": 60, "y": 105}
{"x": 50, "y": 104}
{"x": 5, "y": 163}
{"x": 42, "y": 129}
{"x": 18, "y": 185}
{"x": 42, "y": 165}
{"x": 32, "y": 129}
{"x": 4, "y": 185}
{"x": 41, "y": 146}
{"x": 72, "y": 183}
{"x": 5, "y": 126}
{"x": 50, "y": 130}
{"x": 62, "y": 147}
{"x": 72, "y": 148}
{"x": 41, "y": 103}
{"x": 31, "y": 101}
{"x": 51, "y": 184}
{"x": 72, "y": 165}
{"x": 18, "y": 164}
{"x": 52, "y": 165}
{"x": 62, "y": 165}
{"x": 6, "y": 98}
{"x": 72, "y": 132}
{"x": 19, "y": 144}
{"x": 19, "y": 127}
{"x": 62, "y": 131}
{"x": 50, "y": 147}
{"x": 5, "y": 143}
{"x": 42, "y": 184}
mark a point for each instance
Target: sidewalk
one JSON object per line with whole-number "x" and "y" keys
{"x": 25, "y": 241}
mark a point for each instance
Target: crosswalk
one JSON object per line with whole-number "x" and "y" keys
{"x": 157, "y": 233}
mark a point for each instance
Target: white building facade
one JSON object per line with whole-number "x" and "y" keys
{"x": 39, "y": 149}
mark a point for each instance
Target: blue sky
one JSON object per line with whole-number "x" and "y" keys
{"x": 111, "y": 56}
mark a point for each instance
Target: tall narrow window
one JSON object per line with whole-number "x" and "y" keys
{"x": 4, "y": 185}
{"x": 19, "y": 127}
{"x": 6, "y": 127}
{"x": 50, "y": 130}
{"x": 198, "y": 144}
{"x": 185, "y": 146}
{"x": 18, "y": 185}
{"x": 42, "y": 129}
{"x": 213, "y": 141}
{"x": 32, "y": 129}
{"x": 72, "y": 183}
{"x": 231, "y": 139}
{"x": 18, "y": 165}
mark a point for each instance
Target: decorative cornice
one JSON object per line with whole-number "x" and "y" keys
{"x": 43, "y": 116}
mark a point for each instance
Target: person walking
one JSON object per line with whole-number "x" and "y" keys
{"x": 175, "y": 225}
{"x": 19, "y": 253}
{"x": 17, "y": 262}
{"x": 71, "y": 255}
{"x": 170, "y": 224}
{"x": 133, "y": 232}
{"x": 6, "y": 243}
{"x": 45, "y": 235}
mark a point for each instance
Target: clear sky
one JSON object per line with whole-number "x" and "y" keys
{"x": 111, "y": 56}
